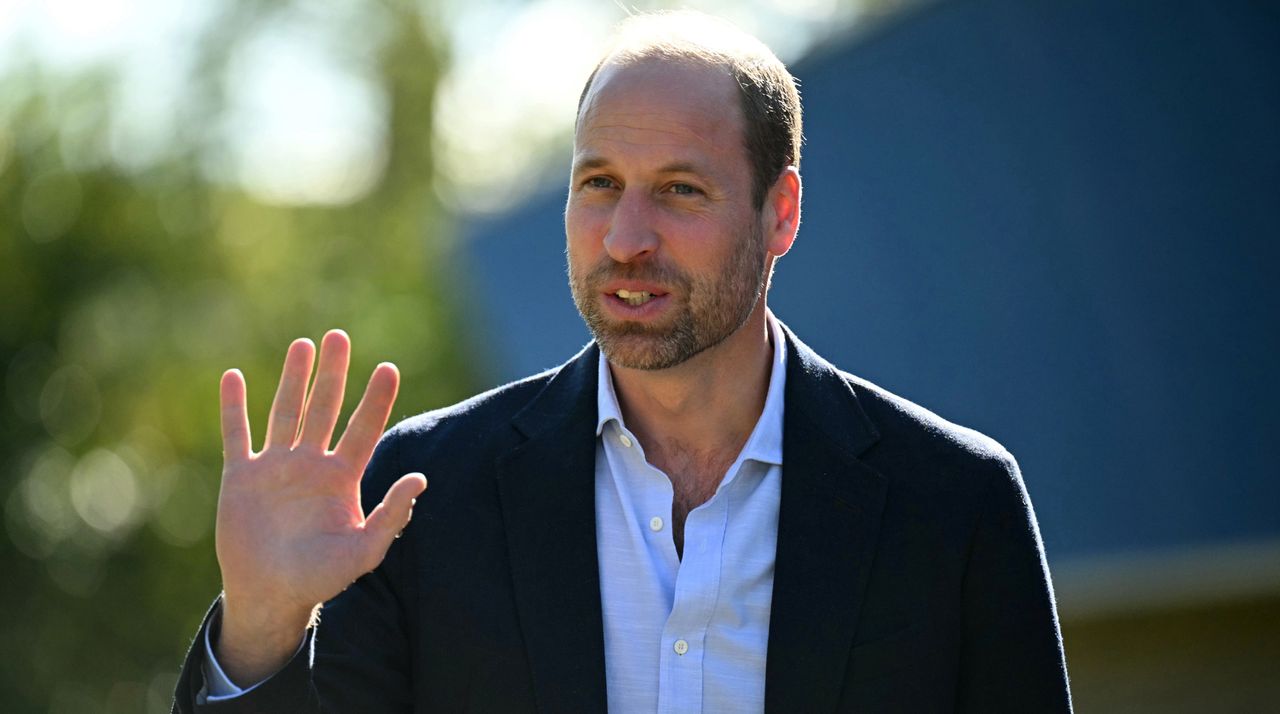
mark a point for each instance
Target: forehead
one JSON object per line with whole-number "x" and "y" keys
{"x": 657, "y": 104}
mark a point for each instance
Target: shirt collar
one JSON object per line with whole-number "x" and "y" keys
{"x": 765, "y": 442}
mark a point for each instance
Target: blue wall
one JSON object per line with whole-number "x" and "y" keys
{"x": 1055, "y": 222}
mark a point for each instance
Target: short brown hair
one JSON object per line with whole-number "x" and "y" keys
{"x": 770, "y": 100}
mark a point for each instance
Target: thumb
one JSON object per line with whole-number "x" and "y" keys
{"x": 391, "y": 516}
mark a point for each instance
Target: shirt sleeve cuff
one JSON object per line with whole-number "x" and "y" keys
{"x": 218, "y": 686}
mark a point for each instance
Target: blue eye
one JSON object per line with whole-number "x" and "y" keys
{"x": 683, "y": 189}
{"x": 599, "y": 182}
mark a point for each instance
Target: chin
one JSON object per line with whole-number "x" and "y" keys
{"x": 633, "y": 352}
{"x": 645, "y": 351}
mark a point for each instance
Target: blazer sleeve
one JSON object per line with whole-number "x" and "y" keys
{"x": 356, "y": 659}
{"x": 1012, "y": 658}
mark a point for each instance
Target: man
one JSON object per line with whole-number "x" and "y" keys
{"x": 696, "y": 513}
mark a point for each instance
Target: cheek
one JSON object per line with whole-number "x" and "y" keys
{"x": 582, "y": 246}
{"x": 583, "y": 226}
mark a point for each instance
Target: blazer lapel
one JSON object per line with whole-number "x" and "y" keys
{"x": 828, "y": 523}
{"x": 547, "y": 487}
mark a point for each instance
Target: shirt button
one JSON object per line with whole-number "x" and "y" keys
{"x": 681, "y": 647}
{"x": 655, "y": 524}
{"x": 626, "y": 440}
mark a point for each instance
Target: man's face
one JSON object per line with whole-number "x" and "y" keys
{"x": 666, "y": 252}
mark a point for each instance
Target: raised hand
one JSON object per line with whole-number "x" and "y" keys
{"x": 291, "y": 532}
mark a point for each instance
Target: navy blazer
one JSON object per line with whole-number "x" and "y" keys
{"x": 910, "y": 574}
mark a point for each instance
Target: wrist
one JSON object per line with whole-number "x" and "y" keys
{"x": 255, "y": 642}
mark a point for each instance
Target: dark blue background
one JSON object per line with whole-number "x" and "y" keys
{"x": 1054, "y": 222}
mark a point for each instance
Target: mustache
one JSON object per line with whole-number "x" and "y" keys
{"x": 651, "y": 272}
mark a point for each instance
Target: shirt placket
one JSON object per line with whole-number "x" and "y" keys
{"x": 697, "y": 589}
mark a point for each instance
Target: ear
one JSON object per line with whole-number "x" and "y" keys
{"x": 781, "y": 213}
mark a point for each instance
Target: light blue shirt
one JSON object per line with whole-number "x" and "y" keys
{"x": 691, "y": 635}
{"x": 679, "y": 636}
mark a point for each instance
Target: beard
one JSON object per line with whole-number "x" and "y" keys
{"x": 707, "y": 309}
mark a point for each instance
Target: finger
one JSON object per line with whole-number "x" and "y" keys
{"x": 370, "y": 417}
{"x": 325, "y": 401}
{"x": 286, "y": 409}
{"x": 391, "y": 516}
{"x": 236, "y": 440}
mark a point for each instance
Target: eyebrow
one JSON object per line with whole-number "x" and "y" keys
{"x": 680, "y": 167}
{"x": 590, "y": 163}
{"x": 587, "y": 164}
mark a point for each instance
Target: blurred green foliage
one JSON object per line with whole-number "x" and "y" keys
{"x": 124, "y": 293}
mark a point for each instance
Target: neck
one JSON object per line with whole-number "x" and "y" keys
{"x": 710, "y": 402}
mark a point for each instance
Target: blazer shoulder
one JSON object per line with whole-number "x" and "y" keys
{"x": 953, "y": 472}
{"x": 910, "y": 432}
{"x": 897, "y": 432}
{"x": 466, "y": 432}
{"x": 497, "y": 405}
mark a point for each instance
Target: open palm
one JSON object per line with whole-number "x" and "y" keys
{"x": 291, "y": 532}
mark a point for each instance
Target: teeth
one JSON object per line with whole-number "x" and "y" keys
{"x": 635, "y": 297}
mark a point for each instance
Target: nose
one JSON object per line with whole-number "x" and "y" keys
{"x": 632, "y": 234}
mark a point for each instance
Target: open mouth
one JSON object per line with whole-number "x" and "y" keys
{"x": 634, "y": 298}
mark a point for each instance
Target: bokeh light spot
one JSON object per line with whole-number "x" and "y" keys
{"x": 50, "y": 205}
{"x": 70, "y": 405}
{"x": 39, "y": 510}
{"x": 104, "y": 492}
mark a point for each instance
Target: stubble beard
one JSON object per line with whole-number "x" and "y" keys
{"x": 709, "y": 310}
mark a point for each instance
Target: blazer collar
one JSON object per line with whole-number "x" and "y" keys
{"x": 828, "y": 523}
{"x": 547, "y": 489}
